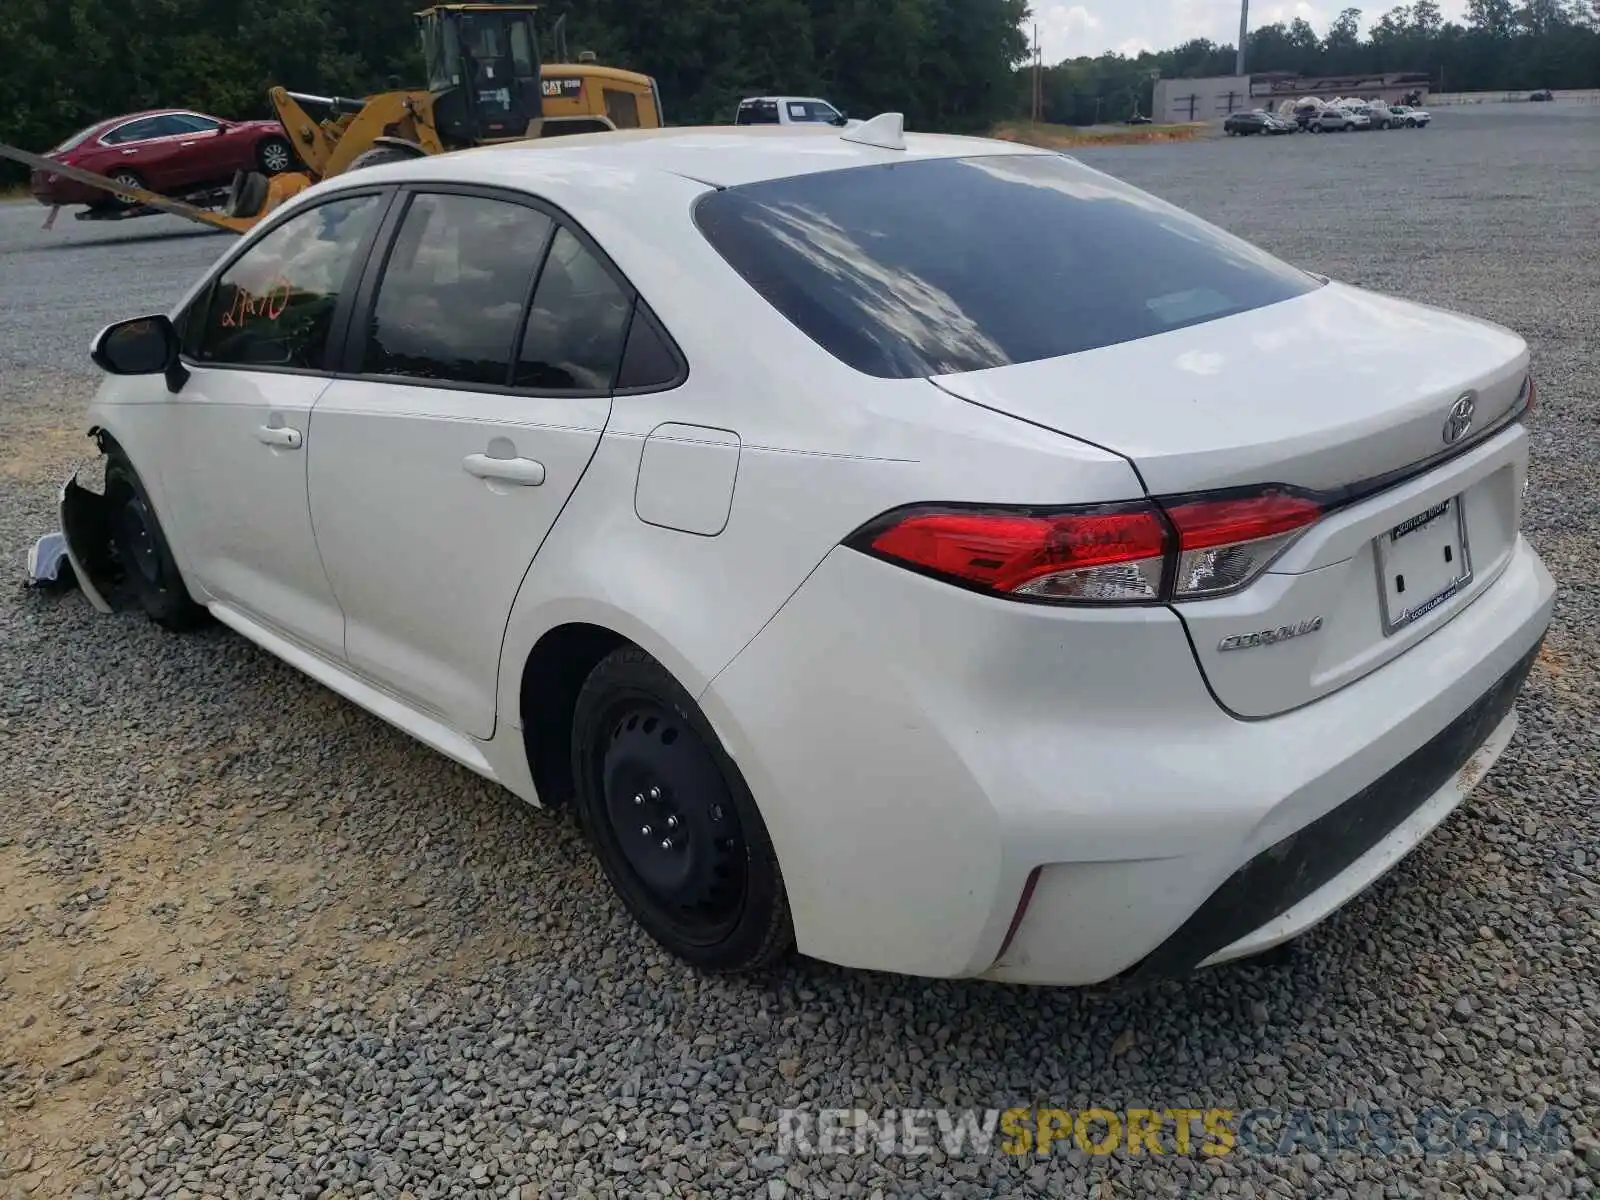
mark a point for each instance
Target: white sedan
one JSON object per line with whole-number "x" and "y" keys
{"x": 923, "y": 551}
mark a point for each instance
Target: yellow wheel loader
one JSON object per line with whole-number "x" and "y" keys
{"x": 487, "y": 83}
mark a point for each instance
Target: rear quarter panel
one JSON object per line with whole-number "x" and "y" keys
{"x": 822, "y": 449}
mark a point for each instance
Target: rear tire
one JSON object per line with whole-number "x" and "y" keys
{"x": 379, "y": 155}
{"x": 672, "y": 821}
{"x": 113, "y": 200}
{"x": 143, "y": 552}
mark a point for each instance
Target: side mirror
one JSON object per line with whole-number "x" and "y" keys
{"x": 142, "y": 346}
{"x": 841, "y": 120}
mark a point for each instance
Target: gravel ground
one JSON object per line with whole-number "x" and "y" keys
{"x": 254, "y": 943}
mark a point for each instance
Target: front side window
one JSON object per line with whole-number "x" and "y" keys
{"x": 274, "y": 306}
{"x": 940, "y": 266}
{"x": 573, "y": 338}
{"x": 451, "y": 300}
{"x": 803, "y": 112}
{"x": 193, "y": 123}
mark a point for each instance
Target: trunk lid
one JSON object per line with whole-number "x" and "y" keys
{"x": 1320, "y": 391}
{"x": 1328, "y": 391}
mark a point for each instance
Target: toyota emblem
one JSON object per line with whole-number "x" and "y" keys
{"x": 1459, "y": 421}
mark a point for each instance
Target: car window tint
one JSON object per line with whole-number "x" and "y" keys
{"x": 648, "y": 359}
{"x": 804, "y": 111}
{"x": 193, "y": 123}
{"x": 133, "y": 131}
{"x": 947, "y": 265}
{"x": 168, "y": 126}
{"x": 763, "y": 112}
{"x": 573, "y": 338}
{"x": 75, "y": 140}
{"x": 275, "y": 305}
{"x": 453, "y": 290}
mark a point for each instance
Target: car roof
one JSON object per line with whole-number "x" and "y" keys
{"x": 719, "y": 156}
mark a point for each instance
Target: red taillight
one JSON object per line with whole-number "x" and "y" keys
{"x": 1141, "y": 553}
{"x": 1225, "y": 543}
{"x": 1532, "y": 402}
{"x": 1205, "y": 523}
{"x": 1097, "y": 555}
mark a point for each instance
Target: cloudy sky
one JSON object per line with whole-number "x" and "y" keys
{"x": 1068, "y": 28}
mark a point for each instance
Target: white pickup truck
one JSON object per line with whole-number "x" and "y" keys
{"x": 788, "y": 110}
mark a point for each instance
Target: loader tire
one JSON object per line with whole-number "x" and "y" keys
{"x": 248, "y": 194}
{"x": 378, "y": 156}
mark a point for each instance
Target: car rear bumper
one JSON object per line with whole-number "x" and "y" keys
{"x": 1299, "y": 880}
{"x": 54, "y": 190}
{"x": 921, "y": 753}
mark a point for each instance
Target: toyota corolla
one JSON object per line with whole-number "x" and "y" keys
{"x": 928, "y": 553}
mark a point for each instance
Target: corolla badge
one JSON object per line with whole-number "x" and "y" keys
{"x": 1270, "y": 637}
{"x": 1459, "y": 421}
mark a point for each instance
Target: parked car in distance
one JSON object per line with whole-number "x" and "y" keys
{"x": 175, "y": 152}
{"x": 1149, "y": 597}
{"x": 1359, "y": 118}
{"x": 788, "y": 110}
{"x": 1330, "y": 120}
{"x": 1377, "y": 114}
{"x": 1406, "y": 117}
{"x": 1543, "y": 95}
{"x": 1243, "y": 124}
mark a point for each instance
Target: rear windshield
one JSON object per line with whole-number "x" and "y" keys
{"x": 939, "y": 266}
{"x": 75, "y": 140}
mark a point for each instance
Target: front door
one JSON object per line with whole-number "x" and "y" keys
{"x": 437, "y": 474}
{"x": 255, "y": 344}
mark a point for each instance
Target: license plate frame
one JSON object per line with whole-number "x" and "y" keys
{"x": 1434, "y": 527}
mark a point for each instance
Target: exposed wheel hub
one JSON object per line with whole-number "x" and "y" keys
{"x": 673, "y": 818}
{"x": 136, "y": 541}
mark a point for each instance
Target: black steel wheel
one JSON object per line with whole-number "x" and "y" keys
{"x": 142, "y": 551}
{"x": 673, "y": 824}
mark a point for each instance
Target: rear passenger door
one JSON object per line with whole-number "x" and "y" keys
{"x": 477, "y": 382}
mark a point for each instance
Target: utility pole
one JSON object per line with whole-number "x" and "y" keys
{"x": 1038, "y": 90}
{"x": 1244, "y": 30}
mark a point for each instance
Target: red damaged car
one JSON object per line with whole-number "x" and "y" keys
{"x": 173, "y": 151}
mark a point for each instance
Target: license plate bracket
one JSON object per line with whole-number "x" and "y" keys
{"x": 1422, "y": 563}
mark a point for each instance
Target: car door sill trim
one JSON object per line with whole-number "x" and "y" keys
{"x": 426, "y": 729}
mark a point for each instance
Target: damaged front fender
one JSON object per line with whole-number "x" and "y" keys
{"x": 84, "y": 541}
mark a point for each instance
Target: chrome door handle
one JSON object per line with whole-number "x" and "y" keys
{"x": 130, "y": 152}
{"x": 523, "y": 471}
{"x": 279, "y": 435}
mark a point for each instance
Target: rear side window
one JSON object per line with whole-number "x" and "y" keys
{"x": 274, "y": 306}
{"x": 573, "y": 337}
{"x": 133, "y": 131}
{"x": 937, "y": 267}
{"x": 757, "y": 112}
{"x": 453, "y": 290}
